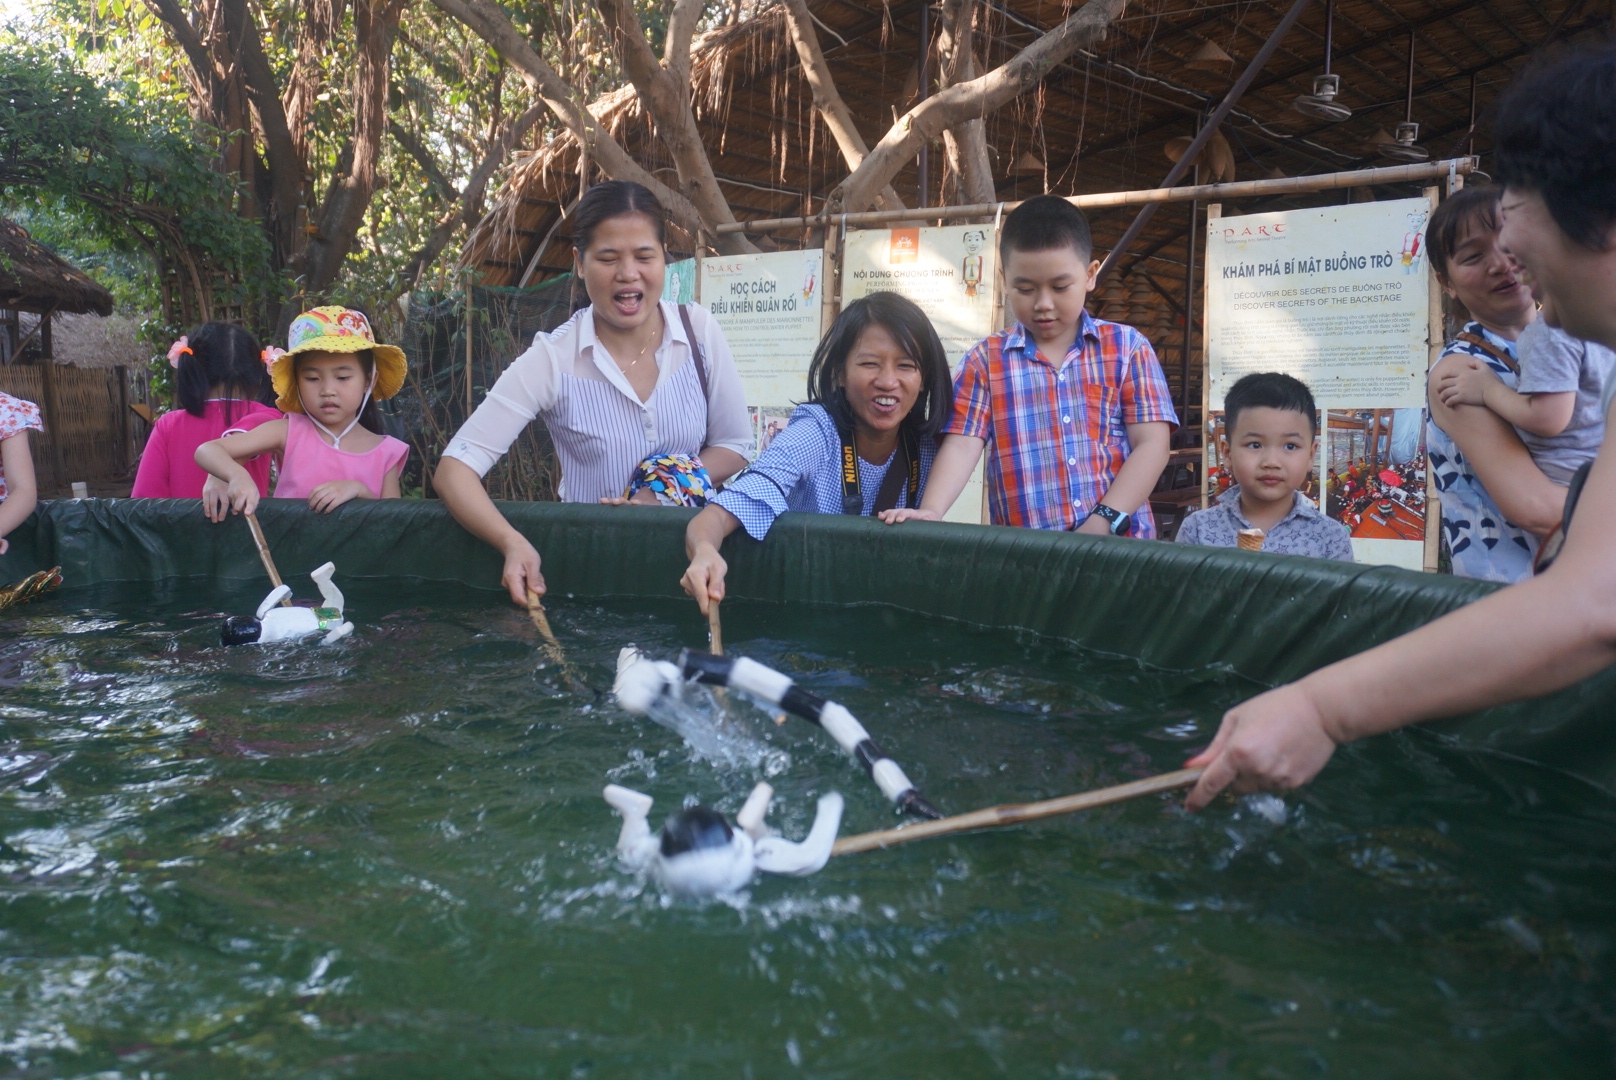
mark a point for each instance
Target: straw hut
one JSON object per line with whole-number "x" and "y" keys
{"x": 88, "y": 435}
{"x": 1110, "y": 118}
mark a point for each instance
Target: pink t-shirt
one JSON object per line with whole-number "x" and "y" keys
{"x": 168, "y": 468}
{"x": 16, "y": 416}
{"x": 310, "y": 461}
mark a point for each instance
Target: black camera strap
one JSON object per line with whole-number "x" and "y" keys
{"x": 905, "y": 466}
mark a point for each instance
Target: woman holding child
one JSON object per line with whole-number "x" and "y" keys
{"x": 640, "y": 396}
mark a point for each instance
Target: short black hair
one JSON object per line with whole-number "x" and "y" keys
{"x": 1555, "y": 134}
{"x": 1043, "y": 223}
{"x": 1466, "y": 209}
{"x": 914, "y": 333}
{"x": 1269, "y": 390}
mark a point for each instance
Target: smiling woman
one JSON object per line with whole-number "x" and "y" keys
{"x": 879, "y": 393}
{"x": 630, "y": 384}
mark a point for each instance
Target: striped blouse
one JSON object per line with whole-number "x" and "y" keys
{"x": 801, "y": 470}
{"x": 600, "y": 427}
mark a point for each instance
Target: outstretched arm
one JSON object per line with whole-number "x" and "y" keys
{"x": 1529, "y": 639}
{"x": 461, "y": 490}
{"x": 950, "y": 472}
{"x": 704, "y": 578}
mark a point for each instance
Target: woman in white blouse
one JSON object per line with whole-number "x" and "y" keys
{"x": 618, "y": 383}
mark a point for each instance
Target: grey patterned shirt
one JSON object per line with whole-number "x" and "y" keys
{"x": 1303, "y": 531}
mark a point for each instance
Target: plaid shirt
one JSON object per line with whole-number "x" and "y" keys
{"x": 1057, "y": 435}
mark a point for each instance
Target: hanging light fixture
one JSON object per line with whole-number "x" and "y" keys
{"x": 1403, "y": 146}
{"x": 1321, "y": 104}
{"x": 1209, "y": 58}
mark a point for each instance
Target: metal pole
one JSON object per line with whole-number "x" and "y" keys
{"x": 1229, "y": 101}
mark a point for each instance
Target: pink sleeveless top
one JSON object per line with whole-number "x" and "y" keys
{"x": 309, "y": 461}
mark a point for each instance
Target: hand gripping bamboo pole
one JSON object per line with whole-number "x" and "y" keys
{"x": 995, "y": 817}
{"x": 265, "y": 557}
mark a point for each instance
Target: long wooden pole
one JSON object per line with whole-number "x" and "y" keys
{"x": 997, "y": 817}
{"x": 1240, "y": 189}
{"x": 265, "y": 557}
{"x": 715, "y": 629}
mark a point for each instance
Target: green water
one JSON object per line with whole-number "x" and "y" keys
{"x": 391, "y": 859}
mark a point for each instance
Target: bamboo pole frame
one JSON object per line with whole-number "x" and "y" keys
{"x": 1240, "y": 189}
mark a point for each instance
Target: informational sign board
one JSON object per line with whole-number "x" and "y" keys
{"x": 950, "y": 273}
{"x": 1338, "y": 297}
{"x": 769, "y": 308}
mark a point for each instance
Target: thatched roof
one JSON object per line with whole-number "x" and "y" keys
{"x": 1099, "y": 123}
{"x": 33, "y": 278}
{"x": 93, "y": 341}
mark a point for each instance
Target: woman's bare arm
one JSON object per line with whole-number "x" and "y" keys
{"x": 462, "y": 491}
{"x": 1499, "y": 459}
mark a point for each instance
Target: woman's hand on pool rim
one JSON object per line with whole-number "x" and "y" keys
{"x": 1275, "y": 741}
{"x": 893, "y": 517}
{"x": 521, "y": 569}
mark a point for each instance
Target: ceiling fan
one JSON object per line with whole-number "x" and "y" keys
{"x": 1321, "y": 104}
{"x": 1403, "y": 145}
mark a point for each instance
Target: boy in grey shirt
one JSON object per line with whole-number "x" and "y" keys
{"x": 1555, "y": 405}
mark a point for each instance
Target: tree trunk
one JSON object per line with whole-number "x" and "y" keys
{"x": 343, "y": 210}
{"x": 966, "y": 143}
{"x": 668, "y": 103}
{"x": 827, "y": 99}
{"x": 490, "y": 23}
{"x": 968, "y": 100}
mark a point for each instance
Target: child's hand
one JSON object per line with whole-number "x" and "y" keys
{"x": 328, "y": 496}
{"x": 239, "y": 496}
{"x": 893, "y": 517}
{"x": 1094, "y": 525}
{"x": 1466, "y": 385}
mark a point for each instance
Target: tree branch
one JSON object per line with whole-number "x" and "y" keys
{"x": 668, "y": 103}
{"x": 827, "y": 99}
{"x": 423, "y": 157}
{"x": 168, "y": 11}
{"x": 676, "y": 47}
{"x": 343, "y": 210}
{"x": 976, "y": 98}
{"x": 490, "y": 23}
{"x": 280, "y": 153}
{"x": 966, "y": 143}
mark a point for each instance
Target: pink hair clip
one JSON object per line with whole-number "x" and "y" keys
{"x": 270, "y": 355}
{"x": 180, "y": 348}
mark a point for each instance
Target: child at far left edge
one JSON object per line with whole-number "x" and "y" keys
{"x": 1073, "y": 411}
{"x": 1270, "y": 441}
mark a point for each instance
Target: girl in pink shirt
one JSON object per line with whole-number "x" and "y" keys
{"x": 331, "y": 444}
{"x": 220, "y": 386}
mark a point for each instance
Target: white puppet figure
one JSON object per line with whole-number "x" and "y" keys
{"x": 274, "y": 622}
{"x": 699, "y": 854}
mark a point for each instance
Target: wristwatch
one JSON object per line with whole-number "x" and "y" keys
{"x": 1121, "y": 523}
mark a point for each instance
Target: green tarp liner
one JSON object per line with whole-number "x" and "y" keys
{"x": 1272, "y": 618}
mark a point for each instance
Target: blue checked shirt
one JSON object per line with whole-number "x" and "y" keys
{"x": 801, "y": 470}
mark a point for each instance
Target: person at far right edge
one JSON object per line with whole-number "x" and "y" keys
{"x": 1074, "y": 411}
{"x": 1555, "y": 154}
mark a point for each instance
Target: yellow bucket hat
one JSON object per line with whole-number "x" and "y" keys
{"x": 339, "y": 330}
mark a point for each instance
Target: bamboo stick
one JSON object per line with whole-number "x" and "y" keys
{"x": 996, "y": 817}
{"x": 715, "y": 630}
{"x": 1240, "y": 189}
{"x": 265, "y": 557}
{"x": 552, "y": 647}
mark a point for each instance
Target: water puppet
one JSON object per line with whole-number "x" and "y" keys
{"x": 274, "y": 622}
{"x": 641, "y": 682}
{"x": 699, "y": 854}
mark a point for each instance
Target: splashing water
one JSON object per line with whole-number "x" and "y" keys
{"x": 717, "y": 735}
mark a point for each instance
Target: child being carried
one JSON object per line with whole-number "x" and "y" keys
{"x": 1555, "y": 405}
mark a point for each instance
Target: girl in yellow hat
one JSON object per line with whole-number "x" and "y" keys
{"x": 331, "y": 444}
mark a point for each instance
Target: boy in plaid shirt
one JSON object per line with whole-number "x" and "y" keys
{"x": 1075, "y": 410}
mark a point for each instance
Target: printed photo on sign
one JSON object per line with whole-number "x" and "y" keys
{"x": 1218, "y": 478}
{"x": 1375, "y": 472}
